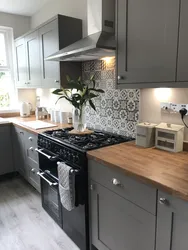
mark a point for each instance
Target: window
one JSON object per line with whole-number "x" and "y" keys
{"x": 8, "y": 95}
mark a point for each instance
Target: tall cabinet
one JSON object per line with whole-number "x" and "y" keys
{"x": 32, "y": 48}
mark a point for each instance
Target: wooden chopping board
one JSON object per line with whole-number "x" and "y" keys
{"x": 86, "y": 132}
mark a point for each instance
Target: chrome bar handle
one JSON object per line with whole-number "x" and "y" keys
{"x": 40, "y": 151}
{"x": 49, "y": 182}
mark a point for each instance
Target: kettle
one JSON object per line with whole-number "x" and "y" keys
{"x": 25, "y": 109}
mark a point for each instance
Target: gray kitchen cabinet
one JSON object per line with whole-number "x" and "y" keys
{"x": 21, "y": 66}
{"x": 172, "y": 223}
{"x": 34, "y": 47}
{"x": 147, "y": 40}
{"x": 49, "y": 44}
{"x": 33, "y": 60}
{"x": 25, "y": 157}
{"x": 19, "y": 151}
{"x": 54, "y": 36}
{"x": 117, "y": 223}
{"x": 182, "y": 73}
{"x": 6, "y": 162}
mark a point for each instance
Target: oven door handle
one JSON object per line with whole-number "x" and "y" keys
{"x": 51, "y": 158}
{"x": 49, "y": 182}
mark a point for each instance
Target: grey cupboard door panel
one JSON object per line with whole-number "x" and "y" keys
{"x": 6, "y": 162}
{"x": 147, "y": 32}
{"x": 182, "y": 70}
{"x": 172, "y": 224}
{"x": 49, "y": 44}
{"x": 33, "y": 59}
{"x": 119, "y": 224}
{"x": 21, "y": 67}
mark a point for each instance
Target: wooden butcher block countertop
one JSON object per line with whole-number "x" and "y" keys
{"x": 166, "y": 171}
{"x": 17, "y": 121}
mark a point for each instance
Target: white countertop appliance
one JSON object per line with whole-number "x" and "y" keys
{"x": 25, "y": 109}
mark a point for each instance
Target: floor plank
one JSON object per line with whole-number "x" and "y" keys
{"x": 24, "y": 224}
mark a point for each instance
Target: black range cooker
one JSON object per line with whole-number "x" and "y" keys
{"x": 60, "y": 145}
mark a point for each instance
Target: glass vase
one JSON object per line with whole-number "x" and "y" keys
{"x": 79, "y": 122}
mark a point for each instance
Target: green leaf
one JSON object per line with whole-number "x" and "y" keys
{"x": 68, "y": 78}
{"x": 57, "y": 91}
{"x": 92, "y": 105}
{"x": 92, "y": 95}
{"x": 79, "y": 79}
{"x": 75, "y": 85}
{"x": 97, "y": 90}
{"x": 62, "y": 98}
{"x": 92, "y": 78}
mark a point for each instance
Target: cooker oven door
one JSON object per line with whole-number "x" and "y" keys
{"x": 49, "y": 186}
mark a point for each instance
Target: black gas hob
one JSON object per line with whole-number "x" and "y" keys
{"x": 87, "y": 142}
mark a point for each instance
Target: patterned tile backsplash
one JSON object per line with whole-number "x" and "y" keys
{"x": 117, "y": 111}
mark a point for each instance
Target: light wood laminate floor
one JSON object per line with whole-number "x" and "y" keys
{"x": 24, "y": 224}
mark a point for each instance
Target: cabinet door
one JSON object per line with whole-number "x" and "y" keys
{"x": 49, "y": 44}
{"x": 119, "y": 224}
{"x": 147, "y": 34}
{"x": 182, "y": 72}
{"x": 19, "y": 152}
{"x": 21, "y": 67}
{"x": 33, "y": 59}
{"x": 6, "y": 163}
{"x": 172, "y": 223}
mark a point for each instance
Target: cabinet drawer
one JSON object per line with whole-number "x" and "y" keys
{"x": 31, "y": 145}
{"x": 132, "y": 190}
{"x": 33, "y": 178}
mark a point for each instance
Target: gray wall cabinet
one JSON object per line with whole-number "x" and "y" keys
{"x": 172, "y": 223}
{"x": 21, "y": 66}
{"x": 147, "y": 34}
{"x": 152, "y": 43}
{"x": 32, "y": 48}
{"x": 33, "y": 60}
{"x": 117, "y": 223}
{"x": 6, "y": 161}
{"x": 25, "y": 157}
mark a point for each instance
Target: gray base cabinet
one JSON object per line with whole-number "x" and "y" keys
{"x": 119, "y": 224}
{"x": 25, "y": 157}
{"x": 6, "y": 161}
{"x": 172, "y": 223}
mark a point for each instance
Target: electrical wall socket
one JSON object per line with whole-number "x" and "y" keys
{"x": 165, "y": 106}
{"x": 172, "y": 107}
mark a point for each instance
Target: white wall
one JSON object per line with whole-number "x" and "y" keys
{"x": 150, "y": 106}
{"x": 20, "y": 24}
{"x": 73, "y": 8}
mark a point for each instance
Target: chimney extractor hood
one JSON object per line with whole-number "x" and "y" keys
{"x": 100, "y": 42}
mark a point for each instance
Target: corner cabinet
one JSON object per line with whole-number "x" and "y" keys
{"x": 152, "y": 43}
{"x": 172, "y": 223}
{"x": 118, "y": 223}
{"x": 33, "y": 71}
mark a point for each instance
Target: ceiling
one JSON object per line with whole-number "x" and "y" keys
{"x": 21, "y": 7}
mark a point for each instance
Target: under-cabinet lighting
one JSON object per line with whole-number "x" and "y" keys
{"x": 163, "y": 94}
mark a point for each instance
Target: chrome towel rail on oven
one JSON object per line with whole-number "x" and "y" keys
{"x": 72, "y": 170}
{"x": 51, "y": 158}
{"x": 49, "y": 182}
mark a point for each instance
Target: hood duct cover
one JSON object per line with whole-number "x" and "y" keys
{"x": 98, "y": 44}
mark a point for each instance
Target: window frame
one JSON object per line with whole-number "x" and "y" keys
{"x": 10, "y": 57}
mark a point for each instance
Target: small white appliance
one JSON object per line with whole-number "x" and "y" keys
{"x": 25, "y": 109}
{"x": 145, "y": 134}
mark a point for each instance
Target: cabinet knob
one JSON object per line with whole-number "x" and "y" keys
{"x": 116, "y": 182}
{"x": 120, "y": 77}
{"x": 31, "y": 148}
{"x": 33, "y": 170}
{"x": 30, "y": 138}
{"x": 56, "y": 81}
{"x": 21, "y": 132}
{"x": 92, "y": 187}
{"x": 163, "y": 201}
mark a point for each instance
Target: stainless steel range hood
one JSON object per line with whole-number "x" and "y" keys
{"x": 100, "y": 42}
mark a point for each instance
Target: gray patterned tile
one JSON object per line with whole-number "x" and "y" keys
{"x": 117, "y": 111}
